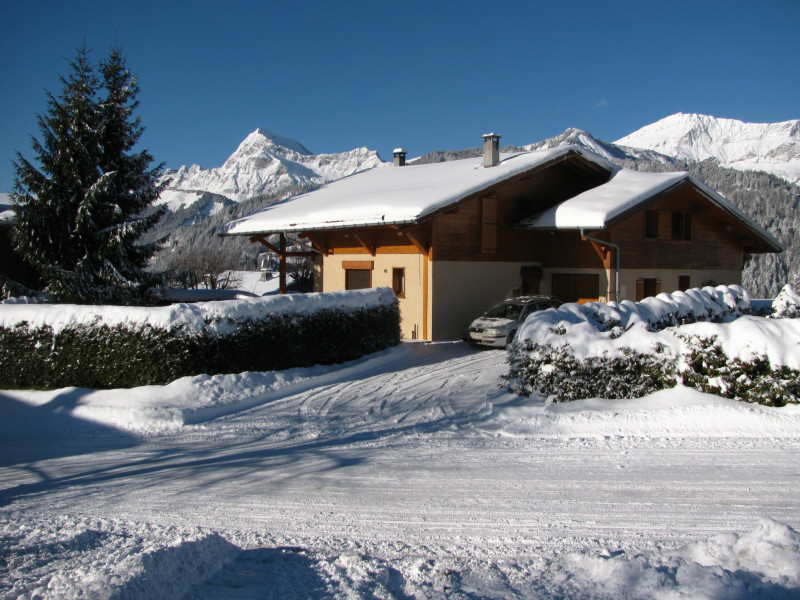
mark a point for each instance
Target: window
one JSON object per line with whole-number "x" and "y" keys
{"x": 687, "y": 227}
{"x": 357, "y": 279}
{"x": 667, "y": 225}
{"x": 651, "y": 224}
{"x": 647, "y": 287}
{"x": 399, "y": 282}
{"x": 576, "y": 287}
{"x": 684, "y": 282}
{"x": 357, "y": 274}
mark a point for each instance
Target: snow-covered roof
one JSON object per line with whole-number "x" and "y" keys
{"x": 594, "y": 208}
{"x": 395, "y": 195}
{"x": 598, "y": 207}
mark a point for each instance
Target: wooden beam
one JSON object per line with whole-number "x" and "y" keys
{"x": 425, "y": 299}
{"x": 602, "y": 251}
{"x": 282, "y": 255}
{"x": 423, "y": 249}
{"x": 315, "y": 241}
{"x": 359, "y": 237}
{"x": 263, "y": 239}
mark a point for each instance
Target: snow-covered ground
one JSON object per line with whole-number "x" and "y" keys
{"x": 406, "y": 474}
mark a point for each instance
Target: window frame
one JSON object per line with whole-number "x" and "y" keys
{"x": 401, "y": 272}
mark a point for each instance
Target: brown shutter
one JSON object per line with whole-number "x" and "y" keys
{"x": 489, "y": 224}
{"x": 665, "y": 224}
{"x": 639, "y": 289}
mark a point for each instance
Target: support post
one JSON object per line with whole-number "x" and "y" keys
{"x": 282, "y": 255}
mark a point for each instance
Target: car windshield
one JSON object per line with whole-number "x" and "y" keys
{"x": 504, "y": 310}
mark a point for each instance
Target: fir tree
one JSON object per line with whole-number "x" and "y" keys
{"x": 79, "y": 214}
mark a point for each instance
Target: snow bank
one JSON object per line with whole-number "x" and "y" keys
{"x": 105, "y": 558}
{"x": 764, "y": 563}
{"x": 213, "y": 317}
{"x": 676, "y": 413}
{"x": 154, "y": 409}
{"x": 650, "y": 326}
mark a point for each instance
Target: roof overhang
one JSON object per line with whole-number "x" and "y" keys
{"x": 387, "y": 196}
{"x": 629, "y": 192}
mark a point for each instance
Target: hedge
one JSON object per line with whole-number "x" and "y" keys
{"x": 613, "y": 350}
{"x": 101, "y": 355}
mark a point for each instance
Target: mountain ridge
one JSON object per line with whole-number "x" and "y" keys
{"x": 264, "y": 163}
{"x": 770, "y": 147}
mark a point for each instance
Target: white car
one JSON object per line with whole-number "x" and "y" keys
{"x": 498, "y": 325}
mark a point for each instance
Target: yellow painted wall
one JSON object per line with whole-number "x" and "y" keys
{"x": 411, "y": 325}
{"x": 463, "y": 290}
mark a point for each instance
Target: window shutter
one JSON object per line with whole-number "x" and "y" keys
{"x": 489, "y": 224}
{"x": 664, "y": 224}
{"x": 639, "y": 289}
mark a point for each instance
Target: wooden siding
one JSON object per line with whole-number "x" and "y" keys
{"x": 716, "y": 241}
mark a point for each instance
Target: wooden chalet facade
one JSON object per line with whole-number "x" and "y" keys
{"x": 452, "y": 239}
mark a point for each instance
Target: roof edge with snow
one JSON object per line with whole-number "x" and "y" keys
{"x": 394, "y": 196}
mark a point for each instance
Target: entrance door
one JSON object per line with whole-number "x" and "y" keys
{"x": 576, "y": 287}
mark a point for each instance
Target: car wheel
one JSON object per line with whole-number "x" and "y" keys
{"x": 511, "y": 337}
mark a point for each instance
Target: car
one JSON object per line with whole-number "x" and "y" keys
{"x": 498, "y": 325}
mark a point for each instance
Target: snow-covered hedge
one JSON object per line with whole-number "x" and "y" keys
{"x": 786, "y": 304}
{"x": 700, "y": 338}
{"x": 51, "y": 346}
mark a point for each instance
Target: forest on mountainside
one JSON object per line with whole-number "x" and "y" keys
{"x": 191, "y": 240}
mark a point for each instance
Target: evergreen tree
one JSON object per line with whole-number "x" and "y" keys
{"x": 79, "y": 214}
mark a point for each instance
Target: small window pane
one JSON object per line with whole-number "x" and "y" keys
{"x": 651, "y": 224}
{"x": 399, "y": 282}
{"x": 677, "y": 225}
{"x": 357, "y": 279}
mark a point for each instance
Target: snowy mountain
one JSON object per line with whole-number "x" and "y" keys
{"x": 770, "y": 147}
{"x": 6, "y": 213}
{"x": 579, "y": 137}
{"x": 263, "y": 164}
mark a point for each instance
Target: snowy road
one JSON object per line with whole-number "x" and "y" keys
{"x": 353, "y": 481}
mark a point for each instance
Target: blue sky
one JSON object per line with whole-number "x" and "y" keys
{"x": 423, "y": 75}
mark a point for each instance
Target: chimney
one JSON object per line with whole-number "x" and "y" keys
{"x": 399, "y": 157}
{"x": 491, "y": 149}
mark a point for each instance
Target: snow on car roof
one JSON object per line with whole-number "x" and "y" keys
{"x": 394, "y": 195}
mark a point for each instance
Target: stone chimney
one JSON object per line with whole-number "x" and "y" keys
{"x": 399, "y": 157}
{"x": 491, "y": 149}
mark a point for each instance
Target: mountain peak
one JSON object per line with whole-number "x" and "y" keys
{"x": 770, "y": 147}
{"x": 262, "y": 136}
{"x": 264, "y": 164}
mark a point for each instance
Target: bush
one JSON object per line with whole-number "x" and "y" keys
{"x": 600, "y": 350}
{"x": 558, "y": 373}
{"x": 710, "y": 370}
{"x": 124, "y": 355}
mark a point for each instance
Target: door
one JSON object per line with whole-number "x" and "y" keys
{"x": 576, "y": 287}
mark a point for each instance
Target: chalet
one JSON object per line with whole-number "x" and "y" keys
{"x": 452, "y": 238}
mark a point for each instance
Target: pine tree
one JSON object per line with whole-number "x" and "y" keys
{"x": 79, "y": 214}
